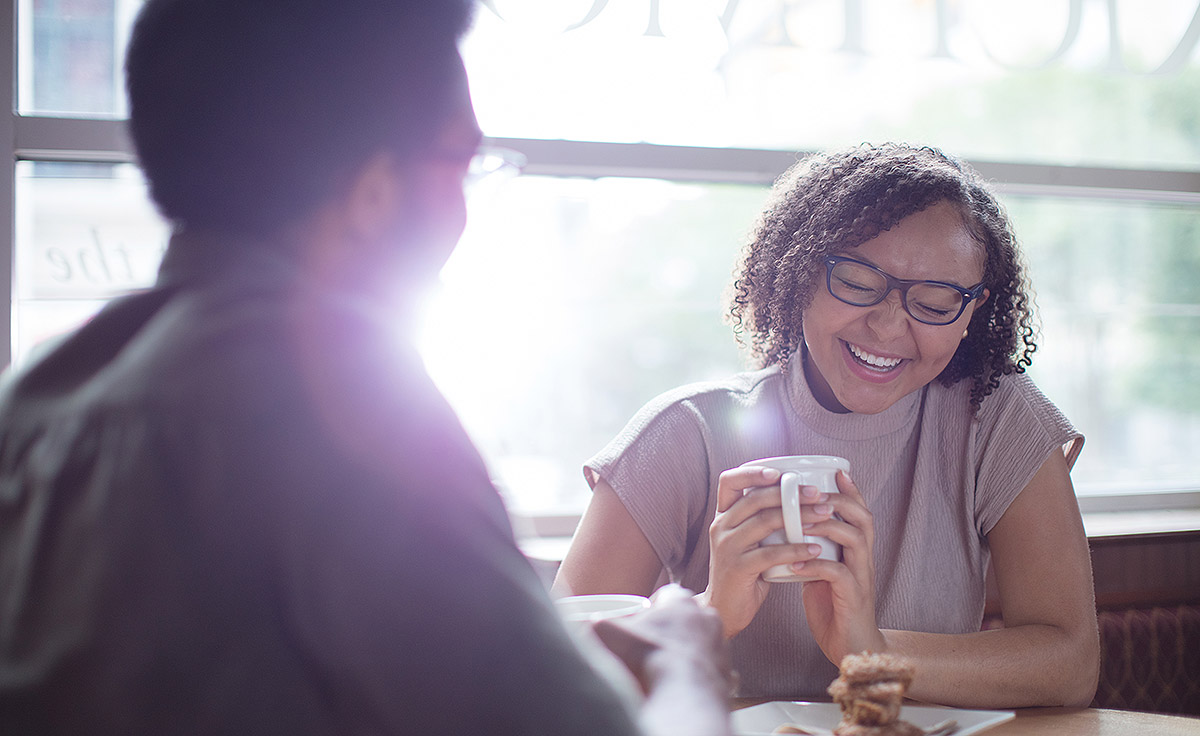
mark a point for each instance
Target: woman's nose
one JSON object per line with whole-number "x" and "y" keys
{"x": 888, "y": 317}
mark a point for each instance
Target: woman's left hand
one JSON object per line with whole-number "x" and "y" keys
{"x": 840, "y": 604}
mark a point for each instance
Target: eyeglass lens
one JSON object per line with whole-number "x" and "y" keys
{"x": 488, "y": 162}
{"x": 863, "y": 286}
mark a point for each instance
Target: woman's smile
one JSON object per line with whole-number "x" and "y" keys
{"x": 872, "y": 366}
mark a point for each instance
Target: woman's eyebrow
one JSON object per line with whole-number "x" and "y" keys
{"x": 868, "y": 261}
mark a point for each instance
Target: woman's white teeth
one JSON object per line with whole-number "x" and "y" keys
{"x": 873, "y": 360}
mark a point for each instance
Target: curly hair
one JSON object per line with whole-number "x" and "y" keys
{"x": 832, "y": 201}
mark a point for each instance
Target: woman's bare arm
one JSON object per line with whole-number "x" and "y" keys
{"x": 1048, "y": 652}
{"x": 609, "y": 553}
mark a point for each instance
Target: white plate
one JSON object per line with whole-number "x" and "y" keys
{"x": 761, "y": 720}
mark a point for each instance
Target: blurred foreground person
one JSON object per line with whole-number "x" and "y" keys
{"x": 235, "y": 503}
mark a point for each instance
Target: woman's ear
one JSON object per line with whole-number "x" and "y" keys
{"x": 373, "y": 201}
{"x": 977, "y": 303}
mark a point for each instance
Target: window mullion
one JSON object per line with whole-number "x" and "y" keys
{"x": 7, "y": 179}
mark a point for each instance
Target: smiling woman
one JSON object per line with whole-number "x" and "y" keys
{"x": 955, "y": 458}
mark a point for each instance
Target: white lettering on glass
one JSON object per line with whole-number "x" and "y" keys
{"x": 95, "y": 268}
{"x": 945, "y": 16}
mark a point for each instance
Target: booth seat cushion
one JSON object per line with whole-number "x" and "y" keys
{"x": 1150, "y": 659}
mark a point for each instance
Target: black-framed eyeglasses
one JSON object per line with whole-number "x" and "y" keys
{"x": 493, "y": 162}
{"x": 863, "y": 285}
{"x": 485, "y": 163}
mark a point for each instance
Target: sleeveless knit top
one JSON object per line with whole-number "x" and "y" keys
{"x": 935, "y": 476}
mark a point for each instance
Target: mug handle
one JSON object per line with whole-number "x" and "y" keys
{"x": 793, "y": 524}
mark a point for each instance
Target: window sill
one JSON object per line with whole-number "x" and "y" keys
{"x": 546, "y": 549}
{"x": 1109, "y": 524}
{"x": 551, "y": 542}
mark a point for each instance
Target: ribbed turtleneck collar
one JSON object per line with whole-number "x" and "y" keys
{"x": 850, "y": 426}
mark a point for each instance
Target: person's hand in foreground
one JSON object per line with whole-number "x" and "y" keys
{"x": 676, "y": 651}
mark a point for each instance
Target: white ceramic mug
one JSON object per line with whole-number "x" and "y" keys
{"x": 579, "y": 613}
{"x": 581, "y": 609}
{"x": 801, "y": 470}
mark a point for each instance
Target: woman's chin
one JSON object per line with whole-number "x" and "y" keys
{"x": 867, "y": 401}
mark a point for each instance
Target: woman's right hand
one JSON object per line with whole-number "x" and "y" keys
{"x": 748, "y": 510}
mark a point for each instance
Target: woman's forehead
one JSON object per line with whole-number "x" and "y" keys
{"x": 932, "y": 244}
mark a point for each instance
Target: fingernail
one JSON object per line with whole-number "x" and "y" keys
{"x": 814, "y": 549}
{"x": 771, "y": 473}
{"x": 823, "y": 509}
{"x": 809, "y": 492}
{"x": 797, "y": 566}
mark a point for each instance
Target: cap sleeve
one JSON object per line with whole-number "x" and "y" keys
{"x": 658, "y": 465}
{"x": 1017, "y": 429}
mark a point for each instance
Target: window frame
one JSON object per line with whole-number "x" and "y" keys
{"x": 90, "y": 139}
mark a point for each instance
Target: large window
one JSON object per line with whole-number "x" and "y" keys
{"x": 653, "y": 129}
{"x": 1101, "y": 82}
